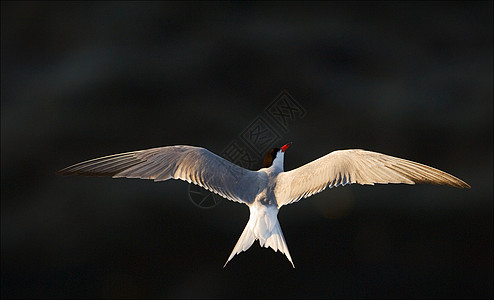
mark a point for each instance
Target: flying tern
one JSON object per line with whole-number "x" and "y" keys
{"x": 266, "y": 190}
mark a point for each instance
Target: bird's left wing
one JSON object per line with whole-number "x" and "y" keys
{"x": 192, "y": 164}
{"x": 355, "y": 166}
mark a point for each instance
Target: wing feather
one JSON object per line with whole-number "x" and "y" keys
{"x": 344, "y": 167}
{"x": 192, "y": 164}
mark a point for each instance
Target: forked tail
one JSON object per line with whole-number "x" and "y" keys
{"x": 263, "y": 225}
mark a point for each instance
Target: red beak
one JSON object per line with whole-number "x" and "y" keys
{"x": 283, "y": 149}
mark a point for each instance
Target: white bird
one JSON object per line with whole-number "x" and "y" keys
{"x": 264, "y": 191}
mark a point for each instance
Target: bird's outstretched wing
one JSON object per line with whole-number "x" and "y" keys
{"x": 355, "y": 166}
{"x": 192, "y": 164}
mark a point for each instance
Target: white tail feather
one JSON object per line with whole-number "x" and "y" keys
{"x": 263, "y": 225}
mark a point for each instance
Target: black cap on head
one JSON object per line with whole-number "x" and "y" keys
{"x": 269, "y": 158}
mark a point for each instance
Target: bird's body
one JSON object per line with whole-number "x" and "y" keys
{"x": 265, "y": 191}
{"x": 263, "y": 222}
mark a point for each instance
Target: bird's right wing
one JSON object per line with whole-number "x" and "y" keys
{"x": 192, "y": 164}
{"x": 355, "y": 166}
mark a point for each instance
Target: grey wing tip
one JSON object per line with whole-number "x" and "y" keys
{"x": 463, "y": 185}
{"x": 61, "y": 173}
{"x": 66, "y": 172}
{"x": 458, "y": 183}
{"x": 69, "y": 171}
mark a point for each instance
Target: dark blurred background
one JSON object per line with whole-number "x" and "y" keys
{"x": 82, "y": 80}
